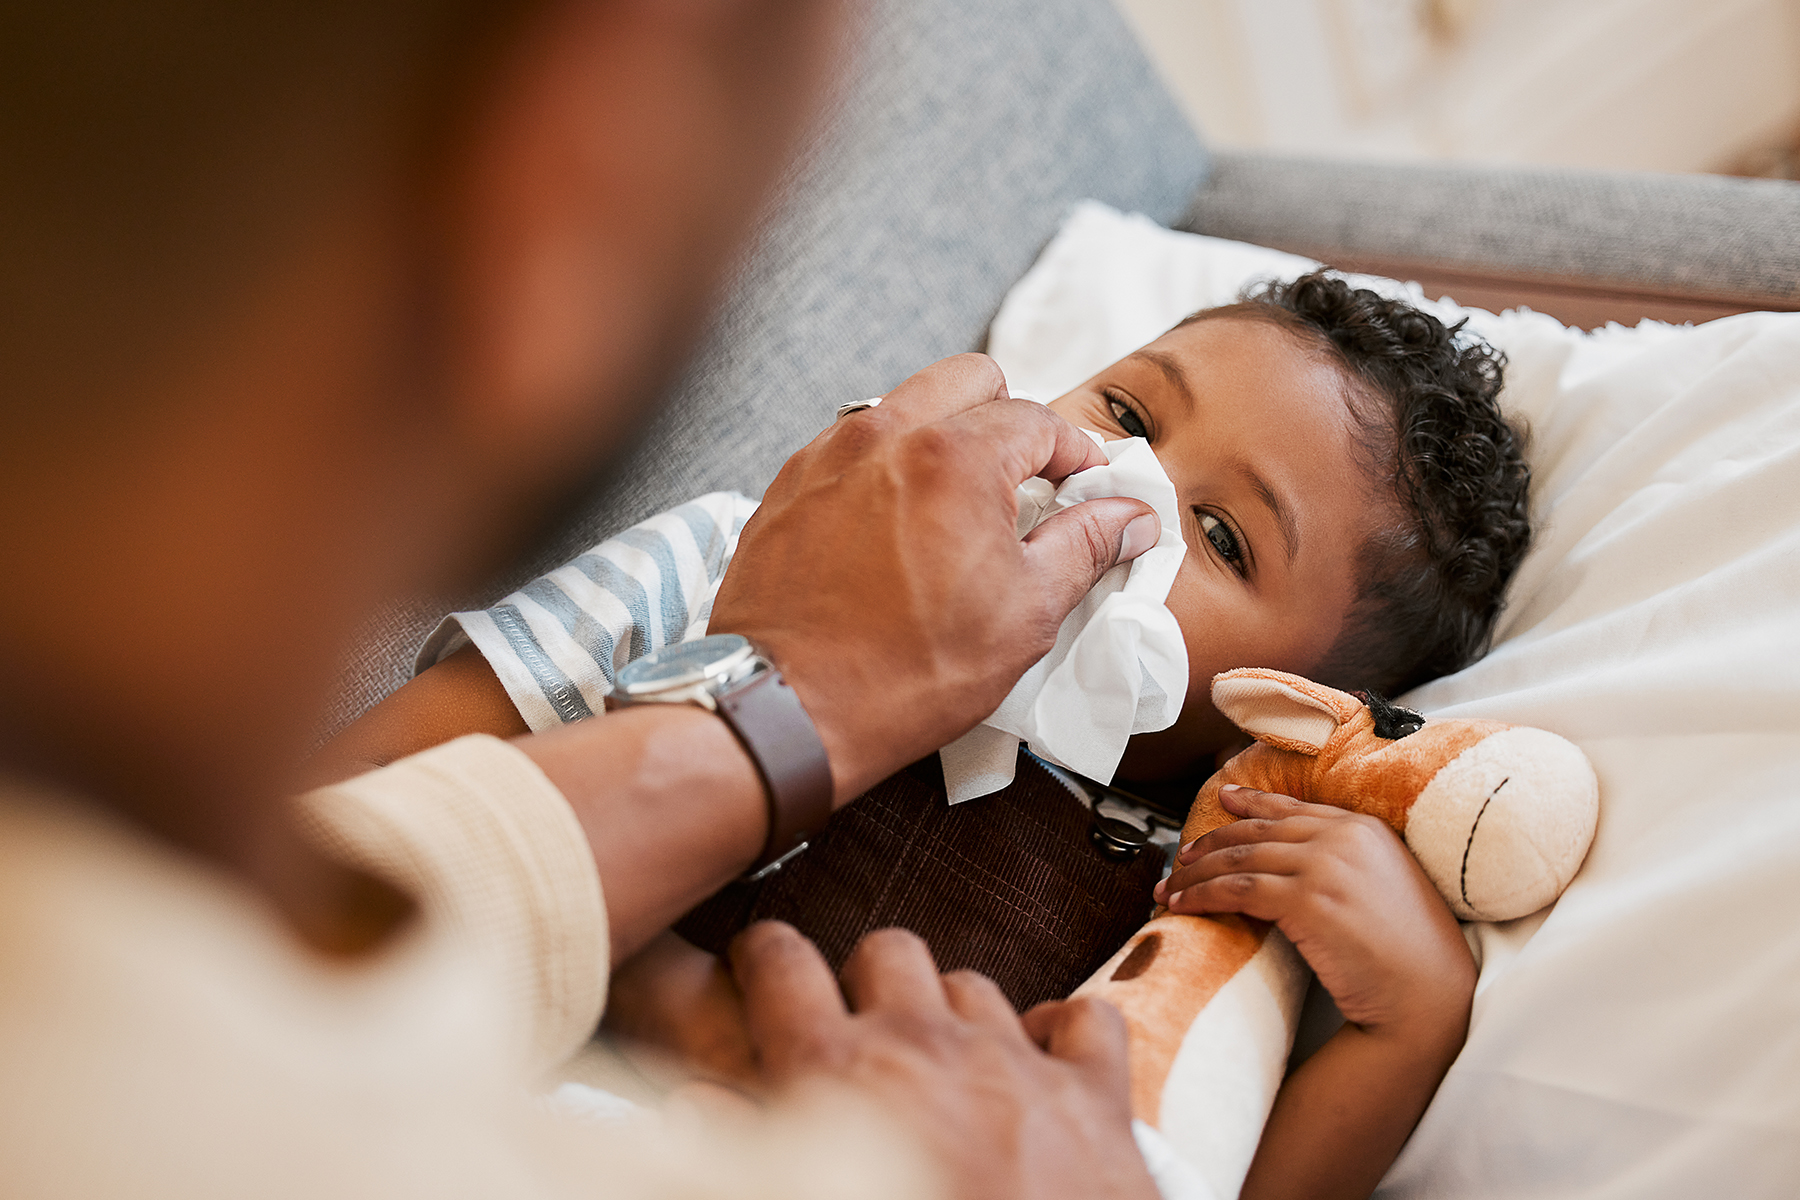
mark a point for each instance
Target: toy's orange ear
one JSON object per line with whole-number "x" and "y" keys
{"x": 1283, "y": 710}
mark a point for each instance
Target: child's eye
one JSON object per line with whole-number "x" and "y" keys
{"x": 1224, "y": 540}
{"x": 1127, "y": 417}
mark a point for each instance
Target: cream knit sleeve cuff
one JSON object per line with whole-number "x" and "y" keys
{"x": 496, "y": 859}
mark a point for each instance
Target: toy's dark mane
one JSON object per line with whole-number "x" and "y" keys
{"x": 1391, "y": 721}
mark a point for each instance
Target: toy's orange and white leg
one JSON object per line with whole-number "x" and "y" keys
{"x": 1211, "y": 1005}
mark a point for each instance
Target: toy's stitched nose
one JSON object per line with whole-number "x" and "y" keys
{"x": 1495, "y": 855}
{"x": 1463, "y": 877}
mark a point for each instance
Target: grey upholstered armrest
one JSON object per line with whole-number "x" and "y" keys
{"x": 1682, "y": 246}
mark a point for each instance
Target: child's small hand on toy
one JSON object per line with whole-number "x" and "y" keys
{"x": 1350, "y": 894}
{"x": 1347, "y": 893}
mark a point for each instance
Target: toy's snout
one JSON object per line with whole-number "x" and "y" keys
{"x": 1503, "y": 827}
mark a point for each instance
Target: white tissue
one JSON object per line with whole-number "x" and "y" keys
{"x": 1119, "y": 665}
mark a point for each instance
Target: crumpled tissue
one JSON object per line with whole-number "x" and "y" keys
{"x": 1119, "y": 665}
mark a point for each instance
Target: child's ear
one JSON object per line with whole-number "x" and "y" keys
{"x": 1283, "y": 710}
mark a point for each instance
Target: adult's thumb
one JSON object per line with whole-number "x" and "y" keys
{"x": 1067, "y": 554}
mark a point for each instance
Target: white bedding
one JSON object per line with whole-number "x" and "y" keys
{"x": 1641, "y": 1037}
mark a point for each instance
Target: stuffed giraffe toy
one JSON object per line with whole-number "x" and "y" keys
{"x": 1499, "y": 816}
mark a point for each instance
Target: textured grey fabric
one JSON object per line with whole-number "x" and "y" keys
{"x": 1689, "y": 234}
{"x": 964, "y": 133}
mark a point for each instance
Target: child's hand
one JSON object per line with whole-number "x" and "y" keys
{"x": 1348, "y": 894}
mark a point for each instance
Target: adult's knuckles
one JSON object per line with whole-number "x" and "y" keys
{"x": 976, "y": 372}
{"x": 884, "y": 945}
{"x": 973, "y": 986}
{"x": 938, "y": 1037}
{"x": 963, "y": 379}
{"x": 768, "y": 937}
{"x": 931, "y": 455}
{"x": 851, "y": 437}
{"x": 771, "y": 946}
{"x": 968, "y": 977}
{"x": 880, "y": 1057}
{"x": 811, "y": 1049}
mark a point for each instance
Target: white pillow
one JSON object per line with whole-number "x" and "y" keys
{"x": 1641, "y": 1037}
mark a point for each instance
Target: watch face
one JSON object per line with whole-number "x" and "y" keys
{"x": 685, "y": 665}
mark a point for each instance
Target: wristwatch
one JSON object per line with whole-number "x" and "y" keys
{"x": 725, "y": 674}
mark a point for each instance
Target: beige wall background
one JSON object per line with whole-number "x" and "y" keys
{"x": 1658, "y": 85}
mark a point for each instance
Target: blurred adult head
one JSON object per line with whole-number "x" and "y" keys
{"x": 306, "y": 303}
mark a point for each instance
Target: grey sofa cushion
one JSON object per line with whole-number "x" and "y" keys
{"x": 964, "y": 132}
{"x": 1696, "y": 235}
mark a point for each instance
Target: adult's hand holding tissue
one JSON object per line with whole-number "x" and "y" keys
{"x": 1119, "y": 666}
{"x": 885, "y": 575}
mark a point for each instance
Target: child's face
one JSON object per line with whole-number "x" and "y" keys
{"x": 1255, "y": 432}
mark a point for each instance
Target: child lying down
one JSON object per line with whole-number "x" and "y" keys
{"x": 1353, "y": 504}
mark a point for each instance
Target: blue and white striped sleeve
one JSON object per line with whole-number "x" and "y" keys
{"x": 557, "y": 642}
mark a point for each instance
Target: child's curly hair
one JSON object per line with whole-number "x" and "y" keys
{"x": 1430, "y": 585}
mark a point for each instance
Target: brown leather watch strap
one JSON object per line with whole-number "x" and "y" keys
{"x": 768, "y": 719}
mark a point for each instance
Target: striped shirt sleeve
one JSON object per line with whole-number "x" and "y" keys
{"x": 558, "y": 642}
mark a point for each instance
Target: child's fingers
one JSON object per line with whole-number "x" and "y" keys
{"x": 1253, "y": 830}
{"x": 1265, "y": 897}
{"x": 1248, "y": 802}
{"x": 1260, "y": 858}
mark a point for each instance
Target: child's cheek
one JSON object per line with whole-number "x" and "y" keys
{"x": 1203, "y": 628}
